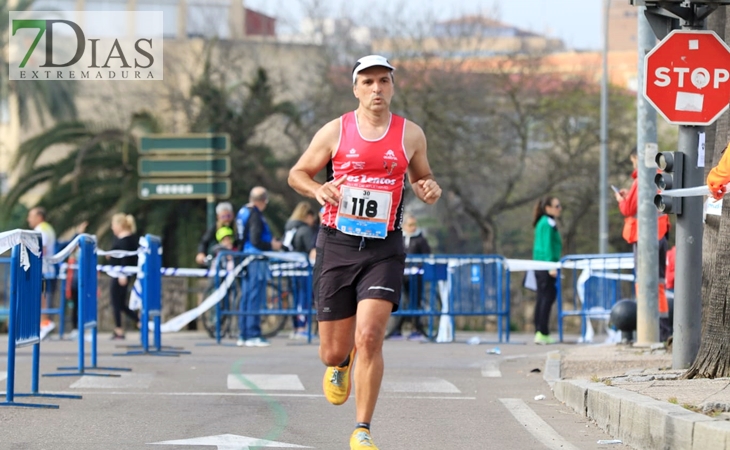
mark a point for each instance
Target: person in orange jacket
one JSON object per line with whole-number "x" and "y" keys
{"x": 628, "y": 205}
{"x": 719, "y": 176}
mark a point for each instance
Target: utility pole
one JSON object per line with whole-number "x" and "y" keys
{"x": 603, "y": 164}
{"x": 647, "y": 246}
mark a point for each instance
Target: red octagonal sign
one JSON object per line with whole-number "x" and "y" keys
{"x": 687, "y": 77}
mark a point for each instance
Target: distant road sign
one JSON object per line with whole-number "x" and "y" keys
{"x": 177, "y": 166}
{"x": 180, "y": 189}
{"x": 218, "y": 143}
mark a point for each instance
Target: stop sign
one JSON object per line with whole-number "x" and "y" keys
{"x": 687, "y": 77}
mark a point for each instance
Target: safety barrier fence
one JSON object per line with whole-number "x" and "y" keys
{"x": 149, "y": 281}
{"x": 87, "y": 314}
{"x": 24, "y": 313}
{"x": 446, "y": 286}
{"x": 594, "y": 283}
{"x": 261, "y": 291}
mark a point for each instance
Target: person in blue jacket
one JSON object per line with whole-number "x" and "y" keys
{"x": 255, "y": 236}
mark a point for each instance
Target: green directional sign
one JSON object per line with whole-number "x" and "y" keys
{"x": 178, "y": 166}
{"x": 217, "y": 143}
{"x": 183, "y": 188}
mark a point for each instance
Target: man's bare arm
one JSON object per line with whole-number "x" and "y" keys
{"x": 313, "y": 160}
{"x": 419, "y": 171}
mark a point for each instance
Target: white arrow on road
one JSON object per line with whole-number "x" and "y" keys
{"x": 230, "y": 442}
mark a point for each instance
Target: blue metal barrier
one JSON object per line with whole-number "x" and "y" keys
{"x": 151, "y": 278}
{"x": 87, "y": 312}
{"x": 283, "y": 290}
{"x": 24, "y": 322}
{"x": 476, "y": 285}
{"x": 445, "y": 286}
{"x": 594, "y": 283}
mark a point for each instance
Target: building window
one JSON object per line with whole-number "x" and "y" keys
{"x": 204, "y": 19}
{"x": 169, "y": 10}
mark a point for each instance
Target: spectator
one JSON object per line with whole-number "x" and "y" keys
{"x": 299, "y": 237}
{"x": 124, "y": 229}
{"x": 628, "y": 205}
{"x": 415, "y": 244}
{"x": 224, "y": 218}
{"x": 224, "y": 236}
{"x": 37, "y": 221}
{"x": 72, "y": 285}
{"x": 547, "y": 246}
{"x": 671, "y": 258}
{"x": 719, "y": 176}
{"x": 255, "y": 236}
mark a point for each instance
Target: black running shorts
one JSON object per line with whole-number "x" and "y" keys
{"x": 349, "y": 269}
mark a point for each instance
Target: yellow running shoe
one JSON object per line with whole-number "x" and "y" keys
{"x": 361, "y": 440}
{"x": 336, "y": 382}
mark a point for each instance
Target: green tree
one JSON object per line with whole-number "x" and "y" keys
{"x": 97, "y": 176}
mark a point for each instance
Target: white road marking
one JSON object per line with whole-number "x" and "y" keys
{"x": 266, "y": 382}
{"x": 416, "y": 384}
{"x": 535, "y": 425}
{"x": 125, "y": 380}
{"x": 229, "y": 442}
{"x": 250, "y": 394}
{"x": 3, "y": 375}
{"x": 490, "y": 369}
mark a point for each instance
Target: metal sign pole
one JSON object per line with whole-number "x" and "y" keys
{"x": 688, "y": 286}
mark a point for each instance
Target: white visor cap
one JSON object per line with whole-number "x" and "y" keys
{"x": 369, "y": 61}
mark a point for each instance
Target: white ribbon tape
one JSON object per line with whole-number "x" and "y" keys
{"x": 66, "y": 251}
{"x": 687, "y": 192}
{"x": 177, "y": 323}
{"x": 28, "y": 240}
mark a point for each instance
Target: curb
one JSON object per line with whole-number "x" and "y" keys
{"x": 639, "y": 421}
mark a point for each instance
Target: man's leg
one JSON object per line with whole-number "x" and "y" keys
{"x": 372, "y": 317}
{"x": 336, "y": 350}
{"x": 336, "y": 340}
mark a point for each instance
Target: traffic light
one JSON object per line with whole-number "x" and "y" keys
{"x": 670, "y": 177}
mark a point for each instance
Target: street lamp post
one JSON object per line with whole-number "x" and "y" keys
{"x": 603, "y": 165}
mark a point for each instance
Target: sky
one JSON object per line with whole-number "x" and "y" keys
{"x": 576, "y": 22}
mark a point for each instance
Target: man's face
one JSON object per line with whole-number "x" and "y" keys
{"x": 226, "y": 217}
{"x": 374, "y": 88}
{"x": 410, "y": 225}
{"x": 33, "y": 219}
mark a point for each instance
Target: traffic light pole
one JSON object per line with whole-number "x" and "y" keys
{"x": 665, "y": 16}
{"x": 688, "y": 282}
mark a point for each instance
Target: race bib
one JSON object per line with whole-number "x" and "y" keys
{"x": 364, "y": 212}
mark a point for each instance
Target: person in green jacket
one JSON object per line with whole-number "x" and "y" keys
{"x": 547, "y": 247}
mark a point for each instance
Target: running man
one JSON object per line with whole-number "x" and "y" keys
{"x": 360, "y": 259}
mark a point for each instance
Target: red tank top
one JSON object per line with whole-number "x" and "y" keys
{"x": 375, "y": 169}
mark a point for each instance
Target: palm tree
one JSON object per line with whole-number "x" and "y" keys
{"x": 713, "y": 359}
{"x": 97, "y": 177}
{"x": 54, "y": 98}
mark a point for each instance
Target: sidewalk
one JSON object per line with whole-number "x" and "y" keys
{"x": 634, "y": 396}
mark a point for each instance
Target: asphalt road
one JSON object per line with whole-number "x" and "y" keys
{"x": 434, "y": 397}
